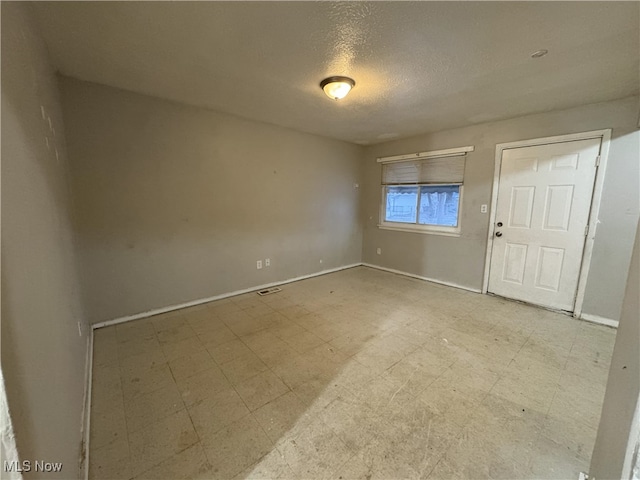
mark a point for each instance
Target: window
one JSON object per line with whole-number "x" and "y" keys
{"x": 423, "y": 194}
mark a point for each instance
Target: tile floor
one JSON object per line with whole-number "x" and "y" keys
{"x": 355, "y": 374}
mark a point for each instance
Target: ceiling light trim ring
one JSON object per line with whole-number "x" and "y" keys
{"x": 337, "y": 86}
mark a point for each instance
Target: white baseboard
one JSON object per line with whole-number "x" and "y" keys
{"x": 600, "y": 320}
{"x": 433, "y": 280}
{"x": 171, "y": 308}
{"x": 86, "y": 409}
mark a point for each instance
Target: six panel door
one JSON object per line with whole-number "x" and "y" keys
{"x": 544, "y": 199}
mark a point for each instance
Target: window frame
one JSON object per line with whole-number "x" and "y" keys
{"x": 418, "y": 227}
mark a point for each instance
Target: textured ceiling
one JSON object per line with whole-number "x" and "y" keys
{"x": 418, "y": 66}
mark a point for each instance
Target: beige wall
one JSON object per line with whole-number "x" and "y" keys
{"x": 176, "y": 203}
{"x": 461, "y": 260}
{"x": 43, "y": 357}
{"x": 617, "y": 436}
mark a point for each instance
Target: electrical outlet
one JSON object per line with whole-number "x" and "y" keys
{"x": 483, "y": 209}
{"x": 379, "y": 251}
{"x": 267, "y": 262}
{"x": 259, "y": 264}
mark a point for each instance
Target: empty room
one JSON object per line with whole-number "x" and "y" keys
{"x": 320, "y": 240}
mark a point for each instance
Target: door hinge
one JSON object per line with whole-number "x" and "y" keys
{"x": 598, "y": 161}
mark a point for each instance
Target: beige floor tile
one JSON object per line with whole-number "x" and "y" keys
{"x": 292, "y": 312}
{"x": 317, "y": 393}
{"x": 383, "y": 459}
{"x": 537, "y": 396}
{"x": 247, "y": 300}
{"x": 331, "y": 330}
{"x": 213, "y": 338}
{"x": 106, "y": 388}
{"x": 352, "y": 423}
{"x": 414, "y": 378}
{"x": 583, "y": 409}
{"x": 188, "y": 365}
{"x": 236, "y": 447}
{"x": 304, "y": 341}
{"x": 182, "y": 348}
{"x": 205, "y": 322}
{"x": 223, "y": 307}
{"x": 233, "y": 316}
{"x": 111, "y": 461}
{"x": 160, "y": 441}
{"x": 142, "y": 361}
{"x": 247, "y": 324}
{"x": 138, "y": 382}
{"x": 508, "y": 429}
{"x": 354, "y": 341}
{"x": 550, "y": 460}
{"x": 105, "y": 334}
{"x": 202, "y": 385}
{"x": 108, "y": 426}
{"x": 327, "y": 353}
{"x": 575, "y": 437}
{"x": 472, "y": 456}
{"x": 354, "y": 469}
{"x": 189, "y": 464}
{"x": 376, "y": 359}
{"x": 279, "y": 301}
{"x": 315, "y": 451}
{"x": 286, "y": 329}
{"x": 303, "y": 368}
{"x": 214, "y": 413}
{"x": 412, "y": 335}
{"x": 454, "y": 402}
{"x": 272, "y": 466}
{"x": 229, "y": 351}
{"x": 275, "y": 354}
{"x": 175, "y": 334}
{"x": 132, "y": 331}
{"x": 243, "y": 368}
{"x": 355, "y": 374}
{"x": 146, "y": 409}
{"x": 168, "y": 321}
{"x": 595, "y": 372}
{"x": 536, "y": 349}
{"x": 420, "y": 425}
{"x": 310, "y": 320}
{"x": 105, "y": 347}
{"x": 137, "y": 346}
{"x": 280, "y": 415}
{"x": 261, "y": 389}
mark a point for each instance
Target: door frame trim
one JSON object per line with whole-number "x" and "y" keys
{"x": 605, "y": 140}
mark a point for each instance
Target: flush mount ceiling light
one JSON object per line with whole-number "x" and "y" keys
{"x": 539, "y": 53}
{"x": 337, "y": 87}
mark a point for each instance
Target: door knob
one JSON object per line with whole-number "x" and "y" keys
{"x": 499, "y": 224}
{"x": 498, "y": 234}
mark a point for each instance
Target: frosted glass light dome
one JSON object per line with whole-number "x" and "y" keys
{"x": 337, "y": 87}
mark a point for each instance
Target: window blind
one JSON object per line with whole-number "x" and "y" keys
{"x": 447, "y": 170}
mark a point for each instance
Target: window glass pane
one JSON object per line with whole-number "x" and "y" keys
{"x": 439, "y": 205}
{"x": 401, "y": 204}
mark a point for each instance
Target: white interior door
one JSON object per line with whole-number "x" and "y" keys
{"x": 542, "y": 213}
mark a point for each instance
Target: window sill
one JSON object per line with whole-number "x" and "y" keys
{"x": 424, "y": 231}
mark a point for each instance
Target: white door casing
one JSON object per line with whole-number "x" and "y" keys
{"x": 543, "y": 202}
